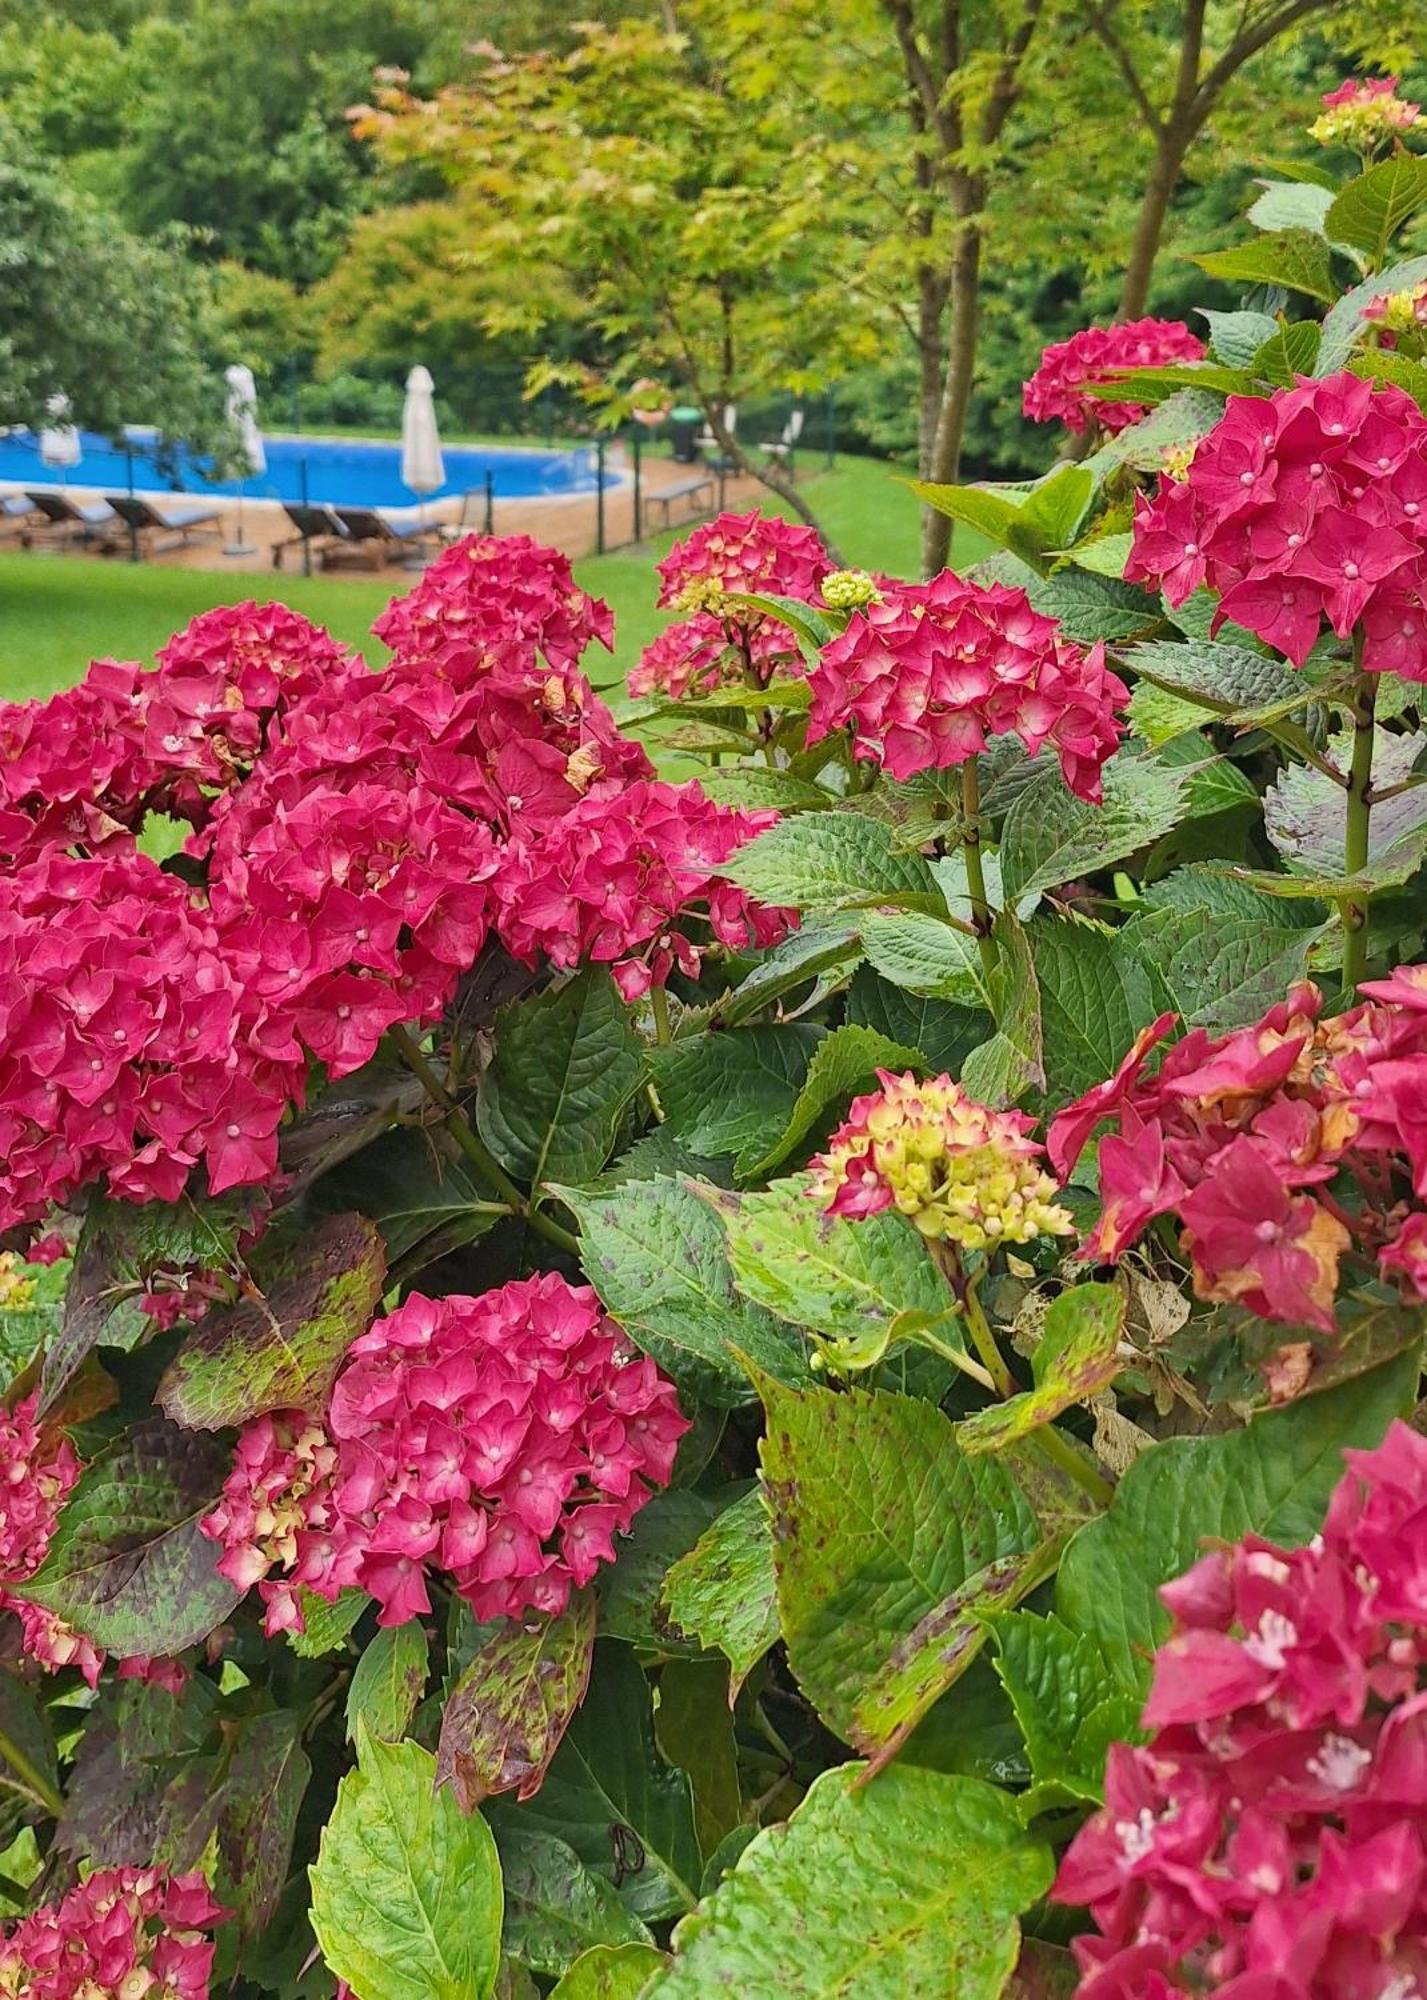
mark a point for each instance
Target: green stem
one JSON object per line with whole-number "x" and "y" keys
{"x": 475, "y": 1148}
{"x": 984, "y": 1341}
{"x": 1062, "y": 1453}
{"x": 956, "y": 1357}
{"x": 1353, "y": 910}
{"x": 659, "y": 1001}
{"x": 33, "y": 1779}
{"x": 975, "y": 873}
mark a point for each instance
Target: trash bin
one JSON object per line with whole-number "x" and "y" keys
{"x": 684, "y": 425}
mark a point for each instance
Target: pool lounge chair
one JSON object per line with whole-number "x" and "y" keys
{"x": 316, "y": 524}
{"x": 72, "y": 520}
{"x": 14, "y": 509}
{"x": 180, "y": 524}
{"x": 381, "y": 534}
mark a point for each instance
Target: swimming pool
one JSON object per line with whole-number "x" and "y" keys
{"x": 350, "y": 471}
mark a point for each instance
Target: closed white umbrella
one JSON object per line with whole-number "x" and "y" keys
{"x": 422, "y": 468}
{"x": 59, "y": 440}
{"x": 242, "y": 411}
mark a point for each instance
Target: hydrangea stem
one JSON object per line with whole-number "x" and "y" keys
{"x": 1353, "y": 910}
{"x": 984, "y": 1341}
{"x": 1059, "y": 1450}
{"x": 34, "y": 1780}
{"x": 475, "y": 1148}
{"x": 975, "y": 873}
{"x": 659, "y": 1001}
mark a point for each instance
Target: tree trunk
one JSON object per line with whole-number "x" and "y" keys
{"x": 931, "y": 309}
{"x": 1171, "y": 147}
{"x": 965, "y": 304}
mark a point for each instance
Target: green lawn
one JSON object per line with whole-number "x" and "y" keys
{"x": 57, "y": 613}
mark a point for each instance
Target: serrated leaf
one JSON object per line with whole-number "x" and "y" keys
{"x": 282, "y": 1350}
{"x": 389, "y": 1681}
{"x": 1068, "y": 1702}
{"x": 566, "y": 1063}
{"x": 1013, "y": 1061}
{"x": 424, "y": 1204}
{"x": 1396, "y": 864}
{"x": 924, "y": 954}
{"x": 1055, "y": 506}
{"x": 1380, "y": 364}
{"x": 916, "y": 1882}
{"x": 811, "y": 624}
{"x": 823, "y": 948}
{"x": 1095, "y": 996}
{"x": 1050, "y": 836}
{"x": 1215, "y": 970}
{"x": 1236, "y": 337}
{"x": 610, "y": 1796}
{"x": 755, "y": 788}
{"x": 128, "y": 1565}
{"x": 943, "y": 1034}
{"x": 325, "y": 1626}
{"x": 1373, "y": 207}
{"x": 723, "y": 1592}
{"x": 1291, "y": 205}
{"x": 609, "y": 1972}
{"x": 267, "y": 1779}
{"x": 832, "y": 861}
{"x": 144, "y": 1787}
{"x": 1345, "y": 326}
{"x": 849, "y": 1281}
{"x": 888, "y": 1542}
{"x": 1297, "y": 258}
{"x": 1305, "y": 813}
{"x": 733, "y": 1091}
{"x": 656, "y": 1254}
{"x": 1290, "y": 352}
{"x": 513, "y": 1702}
{"x": 845, "y": 1062}
{"x": 1158, "y": 716}
{"x": 1076, "y": 1355}
{"x": 1198, "y": 887}
{"x": 1180, "y": 419}
{"x": 555, "y": 1909}
{"x": 1272, "y": 1478}
{"x": 630, "y": 1591}
{"x": 406, "y": 1888}
{"x": 1104, "y": 555}
{"x": 1090, "y": 608}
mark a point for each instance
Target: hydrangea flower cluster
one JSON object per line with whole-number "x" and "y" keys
{"x": 488, "y": 593}
{"x": 503, "y": 1440}
{"x": 1365, "y": 113}
{"x": 960, "y": 1172}
{"x": 719, "y": 642}
{"x": 1058, "y": 387}
{"x": 91, "y": 762}
{"x": 849, "y": 589}
{"x": 38, "y": 1469}
{"x": 1307, "y": 505}
{"x": 927, "y": 673}
{"x": 1401, "y": 315}
{"x": 130, "y": 1933}
{"x": 1267, "y": 1842}
{"x": 360, "y": 836}
{"x": 607, "y": 881}
{"x": 1244, "y": 1137}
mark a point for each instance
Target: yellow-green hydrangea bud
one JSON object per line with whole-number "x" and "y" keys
{"x": 849, "y": 589}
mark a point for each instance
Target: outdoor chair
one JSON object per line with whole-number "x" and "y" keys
{"x": 70, "y": 520}
{"x": 380, "y": 534}
{"x": 316, "y": 524}
{"x": 15, "y": 508}
{"x": 180, "y": 524}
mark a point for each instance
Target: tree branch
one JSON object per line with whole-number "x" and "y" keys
{"x": 919, "y": 74}
{"x": 1265, "y": 30}
{"x": 1099, "y": 19}
{"x": 1007, "y": 87}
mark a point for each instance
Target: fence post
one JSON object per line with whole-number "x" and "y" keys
{"x": 490, "y": 502}
{"x": 133, "y": 525}
{"x": 306, "y": 520}
{"x": 637, "y": 443}
{"x": 830, "y": 429}
{"x": 599, "y": 497}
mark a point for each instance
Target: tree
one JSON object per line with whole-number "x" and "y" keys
{"x": 628, "y": 188}
{"x": 118, "y": 326}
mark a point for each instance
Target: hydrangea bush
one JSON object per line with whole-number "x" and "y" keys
{"x": 798, "y": 1380}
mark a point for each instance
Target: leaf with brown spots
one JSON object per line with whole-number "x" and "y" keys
{"x": 513, "y": 1703}
{"x": 1076, "y": 1356}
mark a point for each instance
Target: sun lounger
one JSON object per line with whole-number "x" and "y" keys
{"x": 180, "y": 524}
{"x": 316, "y": 524}
{"x": 72, "y": 520}
{"x": 15, "y": 508}
{"x": 380, "y": 534}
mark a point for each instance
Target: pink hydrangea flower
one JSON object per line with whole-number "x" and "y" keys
{"x": 1058, "y": 387}
{"x": 743, "y": 552}
{"x": 700, "y": 654}
{"x": 487, "y": 592}
{"x": 129, "y": 1932}
{"x": 1364, "y": 113}
{"x": 1307, "y": 506}
{"x": 502, "y": 1441}
{"x": 928, "y": 673}
{"x": 1243, "y": 1137}
{"x": 1267, "y": 1840}
{"x": 38, "y": 1469}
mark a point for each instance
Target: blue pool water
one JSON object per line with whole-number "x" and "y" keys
{"x": 348, "y": 471}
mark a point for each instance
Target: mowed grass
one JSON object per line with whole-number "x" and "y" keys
{"x": 57, "y": 613}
